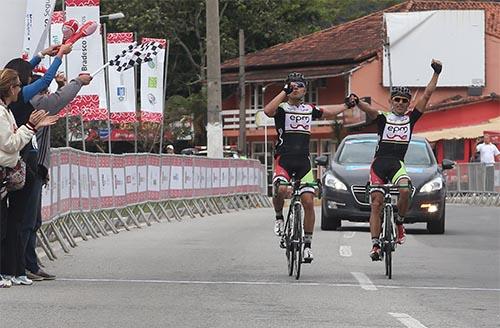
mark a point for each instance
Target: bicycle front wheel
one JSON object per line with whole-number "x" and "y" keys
{"x": 388, "y": 240}
{"x": 297, "y": 239}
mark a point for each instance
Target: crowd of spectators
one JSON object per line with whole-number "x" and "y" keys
{"x": 27, "y": 110}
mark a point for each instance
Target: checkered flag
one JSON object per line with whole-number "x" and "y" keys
{"x": 133, "y": 55}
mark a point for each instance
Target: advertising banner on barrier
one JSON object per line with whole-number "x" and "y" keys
{"x": 121, "y": 84}
{"x": 95, "y": 200}
{"x": 84, "y": 159}
{"x": 119, "y": 187}
{"x": 64, "y": 182}
{"x": 105, "y": 181}
{"x": 131, "y": 179}
{"x": 83, "y": 181}
{"x": 153, "y": 177}
{"x": 74, "y": 172}
{"x": 187, "y": 166}
{"x": 166, "y": 163}
{"x": 176, "y": 177}
{"x": 152, "y": 85}
{"x": 87, "y": 57}
{"x": 142, "y": 178}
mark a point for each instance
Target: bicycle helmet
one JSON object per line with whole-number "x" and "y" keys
{"x": 296, "y": 77}
{"x": 401, "y": 92}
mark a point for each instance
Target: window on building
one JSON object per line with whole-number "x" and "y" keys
{"x": 312, "y": 93}
{"x": 257, "y": 97}
{"x": 454, "y": 149}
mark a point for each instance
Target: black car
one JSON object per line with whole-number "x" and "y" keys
{"x": 344, "y": 183}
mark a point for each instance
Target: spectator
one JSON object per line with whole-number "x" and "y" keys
{"x": 170, "y": 149}
{"x": 12, "y": 140}
{"x": 488, "y": 154}
{"x": 32, "y": 220}
{"x": 21, "y": 109}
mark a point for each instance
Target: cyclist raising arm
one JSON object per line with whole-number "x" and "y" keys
{"x": 293, "y": 120}
{"x": 394, "y": 130}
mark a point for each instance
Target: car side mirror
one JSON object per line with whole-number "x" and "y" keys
{"x": 321, "y": 160}
{"x": 447, "y": 164}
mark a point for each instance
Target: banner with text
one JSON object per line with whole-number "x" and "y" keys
{"x": 152, "y": 84}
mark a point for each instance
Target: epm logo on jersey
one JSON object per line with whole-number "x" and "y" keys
{"x": 298, "y": 122}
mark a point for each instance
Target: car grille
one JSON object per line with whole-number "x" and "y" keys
{"x": 361, "y": 197}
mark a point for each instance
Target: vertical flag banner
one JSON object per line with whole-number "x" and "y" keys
{"x": 86, "y": 57}
{"x": 152, "y": 84}
{"x": 37, "y": 25}
{"x": 121, "y": 84}
{"x": 56, "y": 37}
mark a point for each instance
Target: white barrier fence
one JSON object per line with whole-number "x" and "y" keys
{"x": 474, "y": 184}
{"x": 93, "y": 194}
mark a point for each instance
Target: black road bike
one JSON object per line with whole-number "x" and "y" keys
{"x": 292, "y": 239}
{"x": 388, "y": 235}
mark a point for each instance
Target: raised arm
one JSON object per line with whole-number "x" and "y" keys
{"x": 332, "y": 111}
{"x": 353, "y": 100}
{"x": 421, "y": 105}
{"x": 272, "y": 106}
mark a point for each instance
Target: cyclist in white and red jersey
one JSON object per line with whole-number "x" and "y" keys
{"x": 293, "y": 120}
{"x": 394, "y": 130}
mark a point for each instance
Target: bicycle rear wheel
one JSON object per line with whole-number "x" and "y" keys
{"x": 388, "y": 240}
{"x": 297, "y": 239}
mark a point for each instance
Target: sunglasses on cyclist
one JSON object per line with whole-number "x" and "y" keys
{"x": 400, "y": 100}
{"x": 299, "y": 84}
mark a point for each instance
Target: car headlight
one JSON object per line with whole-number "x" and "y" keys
{"x": 433, "y": 185}
{"x": 332, "y": 182}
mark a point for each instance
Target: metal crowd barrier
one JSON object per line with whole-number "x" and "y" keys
{"x": 474, "y": 184}
{"x": 94, "y": 195}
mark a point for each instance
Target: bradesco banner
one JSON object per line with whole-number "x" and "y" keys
{"x": 121, "y": 84}
{"x": 87, "y": 57}
{"x": 152, "y": 86}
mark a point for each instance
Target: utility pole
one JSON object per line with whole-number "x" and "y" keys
{"x": 242, "y": 144}
{"x": 214, "y": 102}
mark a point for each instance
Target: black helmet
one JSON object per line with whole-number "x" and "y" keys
{"x": 401, "y": 92}
{"x": 296, "y": 77}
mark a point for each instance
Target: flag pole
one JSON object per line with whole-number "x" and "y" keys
{"x": 106, "y": 82}
{"x": 136, "y": 123}
{"x": 164, "y": 96}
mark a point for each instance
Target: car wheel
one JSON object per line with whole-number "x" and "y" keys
{"x": 328, "y": 222}
{"x": 437, "y": 226}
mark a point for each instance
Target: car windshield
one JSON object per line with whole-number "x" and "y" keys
{"x": 361, "y": 151}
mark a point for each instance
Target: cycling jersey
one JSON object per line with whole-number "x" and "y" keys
{"x": 293, "y": 124}
{"x": 394, "y": 133}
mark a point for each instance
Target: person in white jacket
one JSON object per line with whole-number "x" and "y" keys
{"x": 12, "y": 140}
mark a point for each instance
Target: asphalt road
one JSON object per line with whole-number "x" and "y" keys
{"x": 227, "y": 271}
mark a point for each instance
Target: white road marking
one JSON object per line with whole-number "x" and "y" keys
{"x": 407, "y": 320}
{"x": 349, "y": 234}
{"x": 364, "y": 281}
{"x": 270, "y": 283}
{"x": 345, "y": 251}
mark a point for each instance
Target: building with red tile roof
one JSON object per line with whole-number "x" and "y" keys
{"x": 348, "y": 57}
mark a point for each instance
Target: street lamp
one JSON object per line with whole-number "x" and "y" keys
{"x": 103, "y": 19}
{"x": 113, "y": 16}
